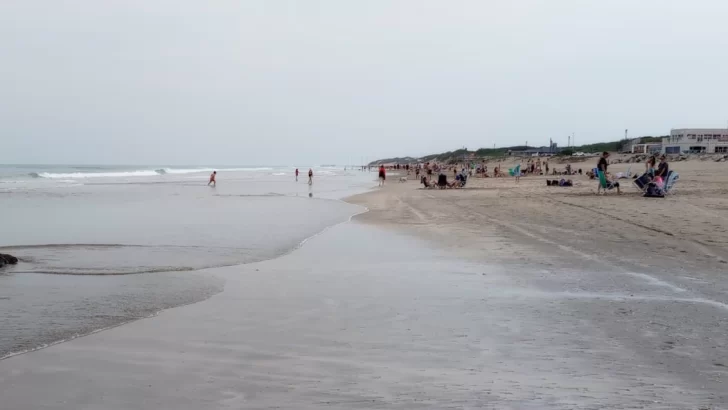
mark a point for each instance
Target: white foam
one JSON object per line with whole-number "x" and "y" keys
{"x": 143, "y": 173}
{"x": 194, "y": 170}
{"x": 77, "y": 175}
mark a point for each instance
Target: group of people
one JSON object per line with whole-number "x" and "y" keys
{"x": 655, "y": 174}
{"x": 654, "y": 181}
{"x": 533, "y": 166}
{"x": 482, "y": 171}
{"x": 213, "y": 177}
{"x": 310, "y": 176}
{"x": 460, "y": 178}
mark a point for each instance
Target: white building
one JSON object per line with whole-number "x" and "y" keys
{"x": 696, "y": 140}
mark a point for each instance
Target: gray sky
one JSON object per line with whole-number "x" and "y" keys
{"x": 306, "y": 82}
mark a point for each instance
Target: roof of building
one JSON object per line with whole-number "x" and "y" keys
{"x": 710, "y": 130}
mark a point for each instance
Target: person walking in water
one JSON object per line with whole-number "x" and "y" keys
{"x": 296, "y": 174}
{"x": 310, "y": 176}
{"x": 382, "y": 175}
{"x": 212, "y": 179}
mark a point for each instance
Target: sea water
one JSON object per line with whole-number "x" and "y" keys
{"x": 103, "y": 245}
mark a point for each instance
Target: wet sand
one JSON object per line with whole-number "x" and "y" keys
{"x": 483, "y": 298}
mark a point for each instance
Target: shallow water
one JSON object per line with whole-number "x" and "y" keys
{"x": 101, "y": 250}
{"x": 40, "y": 309}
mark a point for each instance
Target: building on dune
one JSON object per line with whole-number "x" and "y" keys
{"x": 696, "y": 141}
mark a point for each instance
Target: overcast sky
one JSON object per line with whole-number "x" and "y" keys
{"x": 310, "y": 82}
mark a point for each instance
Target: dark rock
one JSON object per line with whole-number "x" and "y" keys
{"x": 7, "y": 260}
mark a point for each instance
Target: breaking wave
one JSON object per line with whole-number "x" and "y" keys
{"x": 137, "y": 173}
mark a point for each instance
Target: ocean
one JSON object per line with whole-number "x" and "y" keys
{"x": 103, "y": 245}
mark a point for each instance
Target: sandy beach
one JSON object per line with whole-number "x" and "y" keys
{"x": 207, "y": 205}
{"x": 497, "y": 296}
{"x": 532, "y": 223}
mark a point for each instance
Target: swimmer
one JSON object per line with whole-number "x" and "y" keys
{"x": 212, "y": 179}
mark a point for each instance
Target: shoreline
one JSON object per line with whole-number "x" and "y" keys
{"x": 191, "y": 271}
{"x": 428, "y": 299}
{"x": 324, "y": 327}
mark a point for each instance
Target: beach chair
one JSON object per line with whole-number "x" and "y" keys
{"x": 672, "y": 178}
{"x": 603, "y": 183}
{"x": 641, "y": 182}
{"x": 463, "y": 180}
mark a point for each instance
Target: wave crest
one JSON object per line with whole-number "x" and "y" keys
{"x": 140, "y": 173}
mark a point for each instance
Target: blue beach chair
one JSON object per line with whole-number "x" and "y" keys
{"x": 672, "y": 178}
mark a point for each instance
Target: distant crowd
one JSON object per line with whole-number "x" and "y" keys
{"x": 435, "y": 175}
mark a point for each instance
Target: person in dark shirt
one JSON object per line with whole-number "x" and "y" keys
{"x": 603, "y": 164}
{"x": 663, "y": 169}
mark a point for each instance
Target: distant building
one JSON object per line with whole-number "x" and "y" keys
{"x": 649, "y": 148}
{"x": 696, "y": 141}
{"x": 553, "y": 149}
{"x": 642, "y": 146}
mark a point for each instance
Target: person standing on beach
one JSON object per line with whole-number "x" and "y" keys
{"x": 296, "y": 174}
{"x": 310, "y": 176}
{"x": 602, "y": 164}
{"x": 212, "y": 179}
{"x": 382, "y": 175}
